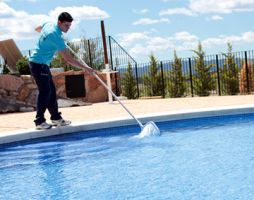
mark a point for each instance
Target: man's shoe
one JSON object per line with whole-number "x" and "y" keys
{"x": 60, "y": 122}
{"x": 43, "y": 126}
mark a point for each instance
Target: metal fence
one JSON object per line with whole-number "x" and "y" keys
{"x": 227, "y": 74}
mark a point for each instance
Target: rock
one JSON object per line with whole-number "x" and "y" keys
{"x": 10, "y": 105}
{"x": 11, "y": 83}
{"x": 23, "y": 94}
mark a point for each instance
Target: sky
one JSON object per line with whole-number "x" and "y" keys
{"x": 142, "y": 27}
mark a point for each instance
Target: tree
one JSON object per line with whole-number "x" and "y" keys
{"x": 203, "y": 82}
{"x": 129, "y": 83}
{"x": 229, "y": 73}
{"x": 176, "y": 87}
{"x": 152, "y": 80}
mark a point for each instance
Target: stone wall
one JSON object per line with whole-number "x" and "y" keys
{"x": 18, "y": 93}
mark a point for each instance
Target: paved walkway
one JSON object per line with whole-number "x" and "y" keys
{"x": 16, "y": 122}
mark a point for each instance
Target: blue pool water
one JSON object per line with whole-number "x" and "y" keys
{"x": 206, "y": 158}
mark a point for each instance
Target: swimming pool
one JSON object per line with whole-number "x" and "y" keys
{"x": 203, "y": 158}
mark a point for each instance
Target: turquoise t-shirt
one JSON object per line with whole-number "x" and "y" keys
{"x": 50, "y": 41}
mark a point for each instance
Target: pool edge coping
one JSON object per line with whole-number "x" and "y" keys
{"x": 16, "y": 136}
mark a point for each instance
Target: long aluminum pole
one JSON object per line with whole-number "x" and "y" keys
{"x": 109, "y": 90}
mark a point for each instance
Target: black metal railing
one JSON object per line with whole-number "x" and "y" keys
{"x": 225, "y": 78}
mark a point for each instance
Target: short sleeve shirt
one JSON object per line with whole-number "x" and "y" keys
{"x": 49, "y": 42}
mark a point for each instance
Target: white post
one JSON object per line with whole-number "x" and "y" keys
{"x": 110, "y": 98}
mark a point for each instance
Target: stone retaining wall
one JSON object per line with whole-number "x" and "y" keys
{"x": 18, "y": 93}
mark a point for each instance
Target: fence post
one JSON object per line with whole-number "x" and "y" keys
{"x": 218, "y": 74}
{"x": 110, "y": 52}
{"x": 116, "y": 82}
{"x": 89, "y": 52}
{"x": 247, "y": 73}
{"x": 111, "y": 64}
{"x": 136, "y": 72}
{"x": 191, "y": 77}
{"x": 162, "y": 78}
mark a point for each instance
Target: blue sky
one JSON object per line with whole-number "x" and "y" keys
{"x": 140, "y": 26}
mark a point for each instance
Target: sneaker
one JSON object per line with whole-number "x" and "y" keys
{"x": 43, "y": 126}
{"x": 60, "y": 122}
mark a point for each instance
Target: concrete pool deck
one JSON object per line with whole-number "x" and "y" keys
{"x": 19, "y": 126}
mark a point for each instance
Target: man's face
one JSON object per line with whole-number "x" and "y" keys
{"x": 64, "y": 26}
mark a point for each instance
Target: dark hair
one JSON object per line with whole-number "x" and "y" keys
{"x": 65, "y": 17}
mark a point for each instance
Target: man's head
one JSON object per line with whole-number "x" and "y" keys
{"x": 64, "y": 21}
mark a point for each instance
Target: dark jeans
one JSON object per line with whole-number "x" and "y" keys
{"x": 46, "y": 98}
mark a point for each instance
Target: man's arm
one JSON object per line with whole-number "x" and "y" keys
{"x": 70, "y": 60}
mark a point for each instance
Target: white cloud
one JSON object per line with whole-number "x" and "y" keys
{"x": 215, "y": 18}
{"x": 185, "y": 36}
{"x": 139, "y": 49}
{"x": 218, "y": 6}
{"x": 142, "y": 44}
{"x": 142, "y": 11}
{"x": 6, "y": 11}
{"x": 148, "y": 21}
{"x": 210, "y": 42}
{"x": 248, "y": 36}
{"x": 196, "y": 7}
{"x": 160, "y": 43}
{"x": 245, "y": 37}
{"x": 18, "y": 24}
{"x": 80, "y": 13}
{"x": 179, "y": 11}
{"x": 127, "y": 39}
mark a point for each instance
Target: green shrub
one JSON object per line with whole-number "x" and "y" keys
{"x": 23, "y": 66}
{"x": 176, "y": 87}
{"x": 229, "y": 73}
{"x": 129, "y": 84}
{"x": 152, "y": 80}
{"x": 203, "y": 82}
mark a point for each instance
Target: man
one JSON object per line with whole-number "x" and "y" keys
{"x": 50, "y": 41}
